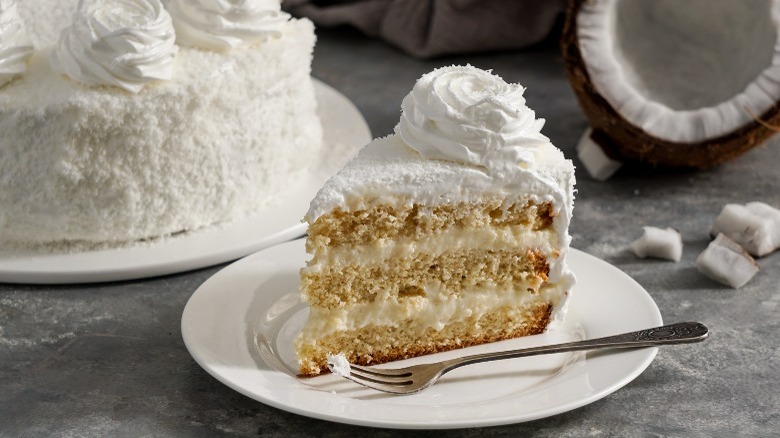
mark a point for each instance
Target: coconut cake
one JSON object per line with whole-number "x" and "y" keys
{"x": 135, "y": 119}
{"x": 450, "y": 232}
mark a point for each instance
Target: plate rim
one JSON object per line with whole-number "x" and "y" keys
{"x": 191, "y": 345}
{"x": 58, "y": 267}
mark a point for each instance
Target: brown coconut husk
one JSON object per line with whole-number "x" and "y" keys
{"x": 626, "y": 142}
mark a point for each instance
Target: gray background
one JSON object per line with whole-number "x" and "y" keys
{"x": 108, "y": 359}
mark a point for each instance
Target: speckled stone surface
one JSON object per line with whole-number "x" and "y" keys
{"x": 108, "y": 359}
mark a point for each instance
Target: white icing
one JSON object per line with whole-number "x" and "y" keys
{"x": 225, "y": 24}
{"x": 468, "y": 115}
{"x": 15, "y": 45}
{"x": 124, "y": 43}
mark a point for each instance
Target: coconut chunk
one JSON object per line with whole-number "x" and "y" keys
{"x": 726, "y": 262}
{"x": 755, "y": 226}
{"x": 659, "y": 243}
{"x": 338, "y": 364}
{"x": 664, "y": 85}
{"x": 600, "y": 166}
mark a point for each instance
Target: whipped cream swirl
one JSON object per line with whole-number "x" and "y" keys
{"x": 125, "y": 43}
{"x": 15, "y": 45}
{"x": 468, "y": 115}
{"x": 226, "y": 24}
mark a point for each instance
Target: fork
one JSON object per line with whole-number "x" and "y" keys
{"x": 415, "y": 378}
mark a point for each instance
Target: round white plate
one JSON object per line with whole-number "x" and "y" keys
{"x": 345, "y": 132}
{"x": 240, "y": 325}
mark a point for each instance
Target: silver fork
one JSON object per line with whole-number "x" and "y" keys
{"x": 418, "y": 377}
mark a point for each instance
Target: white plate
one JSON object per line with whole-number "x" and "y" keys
{"x": 345, "y": 132}
{"x": 240, "y": 324}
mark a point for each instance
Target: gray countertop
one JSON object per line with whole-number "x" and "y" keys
{"x": 109, "y": 360}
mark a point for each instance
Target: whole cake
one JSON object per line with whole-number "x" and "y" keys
{"x": 123, "y": 120}
{"x": 451, "y": 232}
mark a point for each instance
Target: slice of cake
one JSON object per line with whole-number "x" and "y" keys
{"x": 135, "y": 119}
{"x": 449, "y": 233}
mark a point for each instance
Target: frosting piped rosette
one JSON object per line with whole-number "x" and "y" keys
{"x": 468, "y": 115}
{"x": 226, "y": 24}
{"x": 15, "y": 45}
{"x": 123, "y": 43}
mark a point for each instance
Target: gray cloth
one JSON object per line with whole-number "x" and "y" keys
{"x": 428, "y": 28}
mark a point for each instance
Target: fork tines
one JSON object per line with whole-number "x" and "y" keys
{"x": 399, "y": 377}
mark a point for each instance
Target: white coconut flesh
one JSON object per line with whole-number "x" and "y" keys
{"x": 683, "y": 71}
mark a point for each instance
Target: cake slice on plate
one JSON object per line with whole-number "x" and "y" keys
{"x": 451, "y": 232}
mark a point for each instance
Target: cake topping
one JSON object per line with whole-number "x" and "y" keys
{"x": 469, "y": 115}
{"x": 15, "y": 45}
{"x": 125, "y": 43}
{"x": 226, "y": 24}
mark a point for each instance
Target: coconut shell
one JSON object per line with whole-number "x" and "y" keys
{"x": 624, "y": 141}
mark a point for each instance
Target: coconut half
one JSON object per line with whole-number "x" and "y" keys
{"x": 670, "y": 83}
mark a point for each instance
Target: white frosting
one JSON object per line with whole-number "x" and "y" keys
{"x": 15, "y": 45}
{"x": 225, "y": 24}
{"x": 125, "y": 43}
{"x": 471, "y": 116}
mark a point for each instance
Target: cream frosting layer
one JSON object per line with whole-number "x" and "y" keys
{"x": 497, "y": 238}
{"x": 435, "y": 310}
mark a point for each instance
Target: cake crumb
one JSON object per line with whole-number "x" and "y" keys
{"x": 725, "y": 261}
{"x": 659, "y": 243}
{"x": 338, "y": 364}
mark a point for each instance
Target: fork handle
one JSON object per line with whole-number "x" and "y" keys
{"x": 679, "y": 333}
